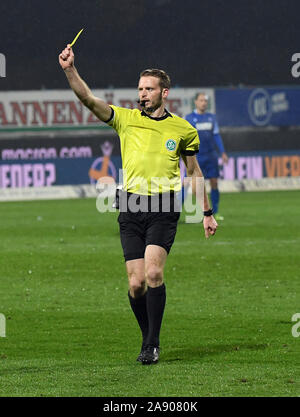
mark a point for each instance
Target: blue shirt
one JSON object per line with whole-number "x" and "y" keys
{"x": 208, "y": 131}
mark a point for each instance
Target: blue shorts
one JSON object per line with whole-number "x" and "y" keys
{"x": 209, "y": 164}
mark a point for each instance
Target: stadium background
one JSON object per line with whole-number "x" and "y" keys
{"x": 240, "y": 53}
{"x": 237, "y": 53}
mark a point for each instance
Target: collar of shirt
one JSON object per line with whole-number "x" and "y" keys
{"x": 143, "y": 113}
{"x": 199, "y": 114}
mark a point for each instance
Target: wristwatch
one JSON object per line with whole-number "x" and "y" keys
{"x": 208, "y": 212}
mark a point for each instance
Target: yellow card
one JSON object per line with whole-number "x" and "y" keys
{"x": 76, "y": 37}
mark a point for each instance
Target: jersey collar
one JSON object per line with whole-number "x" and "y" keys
{"x": 157, "y": 118}
{"x": 199, "y": 114}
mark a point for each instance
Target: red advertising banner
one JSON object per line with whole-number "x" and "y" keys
{"x": 56, "y": 109}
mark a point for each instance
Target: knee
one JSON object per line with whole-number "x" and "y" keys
{"x": 214, "y": 183}
{"x": 154, "y": 276}
{"x": 137, "y": 286}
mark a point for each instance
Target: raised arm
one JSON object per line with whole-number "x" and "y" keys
{"x": 99, "y": 107}
{"x": 194, "y": 171}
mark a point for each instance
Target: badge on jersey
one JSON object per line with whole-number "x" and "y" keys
{"x": 171, "y": 144}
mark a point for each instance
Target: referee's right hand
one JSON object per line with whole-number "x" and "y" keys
{"x": 66, "y": 58}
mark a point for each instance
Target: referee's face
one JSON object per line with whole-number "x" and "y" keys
{"x": 151, "y": 93}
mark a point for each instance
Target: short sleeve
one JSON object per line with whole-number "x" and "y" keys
{"x": 119, "y": 119}
{"x": 190, "y": 143}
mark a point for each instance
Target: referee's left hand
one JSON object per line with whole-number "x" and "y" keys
{"x": 210, "y": 226}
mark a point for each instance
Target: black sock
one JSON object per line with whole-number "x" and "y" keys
{"x": 139, "y": 308}
{"x": 156, "y": 301}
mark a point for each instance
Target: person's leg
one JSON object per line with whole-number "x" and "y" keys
{"x": 155, "y": 258}
{"x": 213, "y": 175}
{"x": 137, "y": 295}
{"x": 160, "y": 235}
{"x": 133, "y": 243}
{"x": 214, "y": 194}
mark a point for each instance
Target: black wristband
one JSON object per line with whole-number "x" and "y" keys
{"x": 208, "y": 212}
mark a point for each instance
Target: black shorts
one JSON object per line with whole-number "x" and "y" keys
{"x": 139, "y": 229}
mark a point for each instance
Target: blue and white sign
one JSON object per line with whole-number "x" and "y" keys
{"x": 258, "y": 107}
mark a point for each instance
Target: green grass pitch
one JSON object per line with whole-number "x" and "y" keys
{"x": 227, "y": 324}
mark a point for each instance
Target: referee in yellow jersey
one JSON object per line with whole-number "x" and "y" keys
{"x": 152, "y": 141}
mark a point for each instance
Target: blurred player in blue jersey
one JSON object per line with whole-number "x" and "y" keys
{"x": 210, "y": 140}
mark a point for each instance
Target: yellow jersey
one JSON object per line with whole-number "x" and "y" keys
{"x": 151, "y": 149}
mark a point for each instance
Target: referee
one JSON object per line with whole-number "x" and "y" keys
{"x": 152, "y": 141}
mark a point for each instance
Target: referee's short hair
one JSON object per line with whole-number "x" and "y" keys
{"x": 164, "y": 79}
